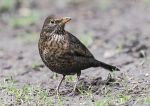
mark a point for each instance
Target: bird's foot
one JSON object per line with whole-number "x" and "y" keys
{"x": 73, "y": 92}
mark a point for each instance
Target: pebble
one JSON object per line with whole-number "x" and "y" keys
{"x": 146, "y": 75}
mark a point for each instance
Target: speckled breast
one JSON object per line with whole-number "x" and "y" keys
{"x": 52, "y": 52}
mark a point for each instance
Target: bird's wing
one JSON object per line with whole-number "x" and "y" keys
{"x": 77, "y": 48}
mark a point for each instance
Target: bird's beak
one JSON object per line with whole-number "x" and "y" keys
{"x": 65, "y": 20}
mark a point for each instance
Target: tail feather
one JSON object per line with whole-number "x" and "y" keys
{"x": 106, "y": 66}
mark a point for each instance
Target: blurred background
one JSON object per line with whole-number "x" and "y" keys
{"x": 116, "y": 31}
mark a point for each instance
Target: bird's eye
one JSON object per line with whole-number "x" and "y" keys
{"x": 52, "y": 21}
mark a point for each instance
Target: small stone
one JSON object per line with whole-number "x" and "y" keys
{"x": 110, "y": 53}
{"x": 19, "y": 57}
{"x": 146, "y": 75}
{"x": 7, "y": 67}
{"x": 142, "y": 54}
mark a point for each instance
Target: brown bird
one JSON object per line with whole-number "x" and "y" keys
{"x": 63, "y": 53}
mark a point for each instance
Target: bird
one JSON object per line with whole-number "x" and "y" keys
{"x": 64, "y": 53}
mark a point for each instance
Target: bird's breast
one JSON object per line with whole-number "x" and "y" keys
{"x": 56, "y": 45}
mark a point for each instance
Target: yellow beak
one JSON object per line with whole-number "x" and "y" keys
{"x": 66, "y": 20}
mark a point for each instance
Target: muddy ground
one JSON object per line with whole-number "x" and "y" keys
{"x": 116, "y": 32}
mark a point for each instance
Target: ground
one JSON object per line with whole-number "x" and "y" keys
{"x": 116, "y": 32}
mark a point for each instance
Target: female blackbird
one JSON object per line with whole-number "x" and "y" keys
{"x": 63, "y": 53}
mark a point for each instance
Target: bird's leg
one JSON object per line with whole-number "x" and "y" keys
{"x": 57, "y": 89}
{"x": 78, "y": 77}
{"x": 75, "y": 86}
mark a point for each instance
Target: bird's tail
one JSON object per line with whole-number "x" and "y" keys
{"x": 106, "y": 66}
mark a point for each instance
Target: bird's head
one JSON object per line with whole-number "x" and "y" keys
{"x": 52, "y": 24}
